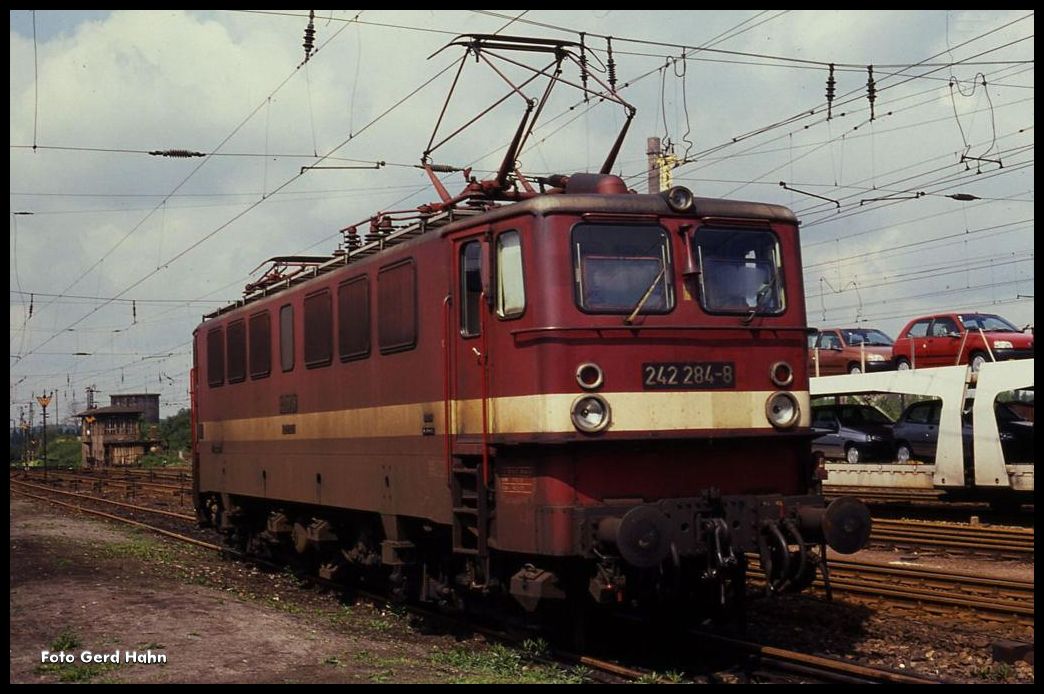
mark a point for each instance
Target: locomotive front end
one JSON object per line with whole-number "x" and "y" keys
{"x": 665, "y": 434}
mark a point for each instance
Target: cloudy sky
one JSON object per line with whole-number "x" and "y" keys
{"x": 118, "y": 253}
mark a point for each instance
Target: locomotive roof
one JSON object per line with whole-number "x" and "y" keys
{"x": 457, "y": 218}
{"x": 633, "y": 204}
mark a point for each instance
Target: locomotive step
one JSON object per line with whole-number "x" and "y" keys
{"x": 465, "y": 510}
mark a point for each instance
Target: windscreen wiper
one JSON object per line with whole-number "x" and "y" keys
{"x": 763, "y": 293}
{"x": 645, "y": 297}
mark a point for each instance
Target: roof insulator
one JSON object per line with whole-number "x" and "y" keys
{"x": 611, "y": 64}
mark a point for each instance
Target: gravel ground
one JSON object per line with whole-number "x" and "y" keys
{"x": 80, "y": 585}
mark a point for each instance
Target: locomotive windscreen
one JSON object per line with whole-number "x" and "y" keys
{"x": 740, "y": 271}
{"x": 616, "y": 265}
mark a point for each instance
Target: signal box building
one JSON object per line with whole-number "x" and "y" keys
{"x": 121, "y": 433}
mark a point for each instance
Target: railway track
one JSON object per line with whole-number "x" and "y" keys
{"x": 975, "y": 539}
{"x": 771, "y": 660}
{"x": 927, "y": 590}
{"x": 129, "y": 486}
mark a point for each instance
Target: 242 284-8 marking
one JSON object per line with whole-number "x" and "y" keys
{"x": 708, "y": 374}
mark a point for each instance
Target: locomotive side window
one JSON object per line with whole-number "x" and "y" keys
{"x": 511, "y": 290}
{"x": 215, "y": 357}
{"x": 318, "y": 329}
{"x": 741, "y": 271}
{"x": 286, "y": 337}
{"x": 470, "y": 288}
{"x": 353, "y": 318}
{"x": 260, "y": 345}
{"x": 620, "y": 267}
{"x": 397, "y": 307}
{"x": 235, "y": 351}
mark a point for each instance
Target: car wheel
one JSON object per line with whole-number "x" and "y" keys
{"x": 852, "y": 455}
{"x": 977, "y": 360}
{"x": 854, "y": 369}
{"x": 902, "y": 453}
{"x": 902, "y": 364}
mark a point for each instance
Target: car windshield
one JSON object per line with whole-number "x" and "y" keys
{"x": 987, "y": 323}
{"x": 870, "y": 338}
{"x": 854, "y": 415}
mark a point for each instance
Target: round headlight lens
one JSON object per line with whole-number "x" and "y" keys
{"x": 781, "y": 374}
{"x": 680, "y": 199}
{"x": 590, "y": 413}
{"x": 782, "y": 410}
{"x": 589, "y": 375}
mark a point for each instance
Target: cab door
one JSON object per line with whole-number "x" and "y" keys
{"x": 468, "y": 322}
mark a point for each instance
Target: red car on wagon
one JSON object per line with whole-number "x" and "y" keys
{"x": 950, "y": 339}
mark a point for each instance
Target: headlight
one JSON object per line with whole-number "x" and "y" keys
{"x": 874, "y": 437}
{"x": 782, "y": 410}
{"x": 875, "y": 357}
{"x": 589, "y": 376}
{"x": 1002, "y": 344}
{"x": 590, "y": 413}
{"x": 679, "y": 198}
{"x": 781, "y": 374}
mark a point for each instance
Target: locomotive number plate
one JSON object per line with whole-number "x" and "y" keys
{"x": 689, "y": 375}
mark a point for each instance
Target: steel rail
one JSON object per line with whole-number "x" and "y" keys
{"x": 171, "y": 514}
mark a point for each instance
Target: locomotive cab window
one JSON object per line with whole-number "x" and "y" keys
{"x": 511, "y": 288}
{"x": 618, "y": 268}
{"x": 741, "y": 271}
{"x": 470, "y": 288}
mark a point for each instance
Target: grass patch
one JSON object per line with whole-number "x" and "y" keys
{"x": 669, "y": 677}
{"x": 998, "y": 672}
{"x": 142, "y": 548}
{"x": 76, "y": 673}
{"x": 66, "y": 640}
{"x": 499, "y": 664}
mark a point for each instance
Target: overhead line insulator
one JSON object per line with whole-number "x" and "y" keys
{"x": 309, "y": 35}
{"x": 178, "y": 153}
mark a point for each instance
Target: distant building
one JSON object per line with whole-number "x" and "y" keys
{"x": 121, "y": 433}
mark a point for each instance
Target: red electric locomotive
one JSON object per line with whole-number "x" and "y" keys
{"x": 586, "y": 394}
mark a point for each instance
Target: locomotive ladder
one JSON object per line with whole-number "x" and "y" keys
{"x": 470, "y": 510}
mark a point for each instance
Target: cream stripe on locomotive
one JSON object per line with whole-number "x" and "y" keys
{"x": 527, "y": 414}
